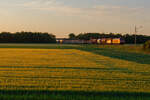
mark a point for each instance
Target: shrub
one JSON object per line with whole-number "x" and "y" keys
{"x": 147, "y": 45}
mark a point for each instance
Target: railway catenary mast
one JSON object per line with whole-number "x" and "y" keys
{"x": 136, "y": 31}
{"x": 135, "y": 34}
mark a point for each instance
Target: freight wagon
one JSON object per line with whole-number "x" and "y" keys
{"x": 69, "y": 41}
{"x": 108, "y": 41}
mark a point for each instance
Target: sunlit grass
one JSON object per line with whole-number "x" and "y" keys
{"x": 70, "y": 69}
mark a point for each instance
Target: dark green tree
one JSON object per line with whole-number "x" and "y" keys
{"x": 72, "y": 36}
{"x": 27, "y": 37}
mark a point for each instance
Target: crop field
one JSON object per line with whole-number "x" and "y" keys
{"x": 87, "y": 68}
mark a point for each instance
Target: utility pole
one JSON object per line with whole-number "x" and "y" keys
{"x": 135, "y": 34}
{"x": 136, "y": 31}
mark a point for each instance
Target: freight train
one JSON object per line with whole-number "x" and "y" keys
{"x": 102, "y": 41}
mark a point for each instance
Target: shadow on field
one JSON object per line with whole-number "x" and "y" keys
{"x": 70, "y": 95}
{"x": 129, "y": 56}
{"x": 110, "y": 52}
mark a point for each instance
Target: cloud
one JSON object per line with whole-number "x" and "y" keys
{"x": 51, "y": 6}
{"x": 96, "y": 10}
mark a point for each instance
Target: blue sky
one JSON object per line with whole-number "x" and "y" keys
{"x": 61, "y": 17}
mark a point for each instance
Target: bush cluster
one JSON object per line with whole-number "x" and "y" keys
{"x": 147, "y": 45}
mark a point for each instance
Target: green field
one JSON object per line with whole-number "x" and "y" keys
{"x": 74, "y": 72}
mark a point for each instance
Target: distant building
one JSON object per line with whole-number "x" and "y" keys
{"x": 60, "y": 40}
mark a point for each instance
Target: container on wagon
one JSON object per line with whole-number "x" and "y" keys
{"x": 118, "y": 41}
{"x": 109, "y": 41}
{"x": 103, "y": 41}
{"x": 94, "y": 41}
{"x": 98, "y": 41}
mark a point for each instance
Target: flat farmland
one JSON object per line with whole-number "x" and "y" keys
{"x": 79, "y": 68}
{"x": 70, "y": 69}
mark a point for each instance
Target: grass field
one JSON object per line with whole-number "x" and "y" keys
{"x": 85, "y": 72}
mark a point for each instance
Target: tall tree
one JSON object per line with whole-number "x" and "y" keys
{"x": 72, "y": 36}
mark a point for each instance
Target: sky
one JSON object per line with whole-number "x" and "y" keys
{"x": 62, "y": 17}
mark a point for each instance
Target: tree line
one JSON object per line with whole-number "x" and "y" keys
{"x": 27, "y": 37}
{"x": 39, "y": 37}
{"x": 129, "y": 38}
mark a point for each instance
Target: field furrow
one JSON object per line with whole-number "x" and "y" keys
{"x": 70, "y": 69}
